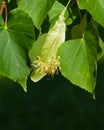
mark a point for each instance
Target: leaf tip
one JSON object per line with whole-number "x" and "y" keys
{"x": 24, "y": 86}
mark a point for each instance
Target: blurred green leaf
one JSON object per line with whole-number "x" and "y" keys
{"x": 101, "y": 54}
{"x": 78, "y": 30}
{"x": 95, "y": 8}
{"x": 9, "y": 1}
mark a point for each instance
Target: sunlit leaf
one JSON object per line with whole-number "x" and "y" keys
{"x": 78, "y": 61}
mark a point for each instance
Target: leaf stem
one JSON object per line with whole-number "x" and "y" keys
{"x": 80, "y": 19}
{"x": 68, "y": 3}
{"x": 6, "y": 16}
{"x": 63, "y": 12}
{"x": 1, "y": 11}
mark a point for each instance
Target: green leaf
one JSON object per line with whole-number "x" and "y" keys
{"x": 55, "y": 11}
{"x": 12, "y": 59}
{"x": 9, "y": 1}
{"x": 1, "y": 20}
{"x": 95, "y": 8}
{"x": 43, "y": 53}
{"x": 37, "y": 9}
{"x": 21, "y": 25}
{"x": 78, "y": 61}
{"x": 1, "y": 3}
{"x": 78, "y": 30}
{"x": 12, "y": 54}
{"x": 101, "y": 54}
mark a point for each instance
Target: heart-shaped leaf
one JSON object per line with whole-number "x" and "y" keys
{"x": 12, "y": 43}
{"x": 78, "y": 61}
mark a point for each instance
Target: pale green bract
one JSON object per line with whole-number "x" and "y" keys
{"x": 43, "y": 53}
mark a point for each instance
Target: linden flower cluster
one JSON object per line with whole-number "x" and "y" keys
{"x": 50, "y": 68}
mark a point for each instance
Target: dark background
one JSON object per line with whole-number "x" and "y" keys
{"x": 51, "y": 104}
